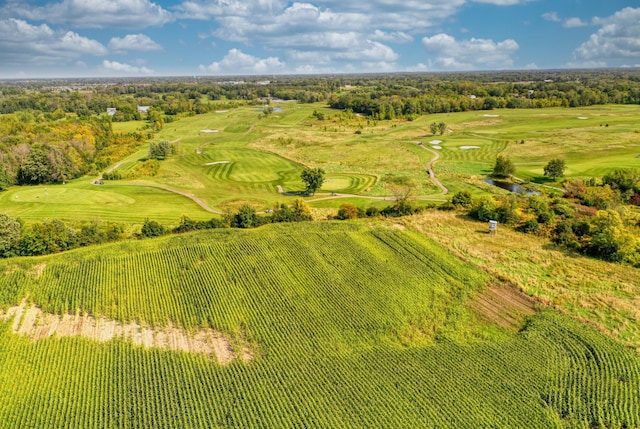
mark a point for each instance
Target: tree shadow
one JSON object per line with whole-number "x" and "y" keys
{"x": 542, "y": 180}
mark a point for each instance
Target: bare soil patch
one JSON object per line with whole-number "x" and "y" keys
{"x": 37, "y": 270}
{"x": 37, "y": 325}
{"x": 503, "y": 305}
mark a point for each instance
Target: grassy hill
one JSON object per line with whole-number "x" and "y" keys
{"x": 365, "y": 324}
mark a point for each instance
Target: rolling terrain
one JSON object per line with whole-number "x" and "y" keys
{"x": 359, "y": 324}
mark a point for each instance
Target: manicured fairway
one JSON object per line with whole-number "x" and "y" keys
{"x": 239, "y": 156}
{"x": 80, "y": 200}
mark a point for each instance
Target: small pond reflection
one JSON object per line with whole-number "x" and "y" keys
{"x": 512, "y": 187}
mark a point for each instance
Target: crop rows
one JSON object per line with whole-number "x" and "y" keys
{"x": 351, "y": 328}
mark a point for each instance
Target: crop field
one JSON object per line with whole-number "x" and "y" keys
{"x": 333, "y": 325}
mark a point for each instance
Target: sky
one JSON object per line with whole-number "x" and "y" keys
{"x": 105, "y": 38}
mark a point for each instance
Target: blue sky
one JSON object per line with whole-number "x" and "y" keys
{"x": 96, "y": 38}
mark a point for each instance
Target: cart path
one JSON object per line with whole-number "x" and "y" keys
{"x": 432, "y": 175}
{"x": 192, "y": 197}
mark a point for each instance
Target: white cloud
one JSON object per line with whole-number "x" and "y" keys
{"x": 450, "y": 53}
{"x": 567, "y": 23}
{"x": 133, "y": 42}
{"x": 127, "y": 69}
{"x": 393, "y": 37}
{"x": 551, "y": 16}
{"x": 23, "y": 43}
{"x": 237, "y": 62}
{"x": 574, "y": 23}
{"x": 617, "y": 39}
{"x": 234, "y": 16}
{"x": 503, "y": 2}
{"x": 96, "y": 13}
{"x": 205, "y": 10}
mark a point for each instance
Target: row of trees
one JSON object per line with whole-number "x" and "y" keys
{"x": 384, "y": 96}
{"x": 245, "y": 217}
{"x": 52, "y": 236}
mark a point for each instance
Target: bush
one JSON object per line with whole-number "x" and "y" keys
{"x": 347, "y": 211}
{"x": 372, "y": 212}
{"x": 151, "y": 228}
{"x": 483, "y": 209}
{"x": 461, "y": 199}
{"x": 530, "y": 226}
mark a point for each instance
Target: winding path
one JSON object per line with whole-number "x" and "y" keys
{"x": 432, "y": 175}
{"x": 192, "y": 197}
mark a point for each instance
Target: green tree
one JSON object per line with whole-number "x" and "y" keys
{"x": 301, "y": 210}
{"x": 555, "y": 168}
{"x": 484, "y": 209}
{"x": 10, "y": 234}
{"x": 504, "y": 167}
{"x": 160, "y": 150}
{"x": 433, "y": 128}
{"x": 37, "y": 167}
{"x": 442, "y": 127}
{"x": 151, "y": 228}
{"x": 5, "y": 178}
{"x": 462, "y": 198}
{"x": 313, "y": 179}
{"x": 246, "y": 217}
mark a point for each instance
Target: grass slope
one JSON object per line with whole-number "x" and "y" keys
{"x": 354, "y": 325}
{"x": 604, "y": 294}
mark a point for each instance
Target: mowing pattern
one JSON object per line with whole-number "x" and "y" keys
{"x": 246, "y": 170}
{"x": 349, "y": 183}
{"x": 342, "y": 318}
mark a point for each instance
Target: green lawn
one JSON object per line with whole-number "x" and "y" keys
{"x": 239, "y": 156}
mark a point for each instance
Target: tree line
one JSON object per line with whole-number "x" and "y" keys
{"x": 53, "y": 152}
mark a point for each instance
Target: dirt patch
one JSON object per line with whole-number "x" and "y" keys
{"x": 37, "y": 270}
{"x": 35, "y": 324}
{"x": 503, "y": 305}
{"x": 10, "y": 269}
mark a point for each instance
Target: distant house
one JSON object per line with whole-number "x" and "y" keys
{"x": 111, "y": 111}
{"x": 143, "y": 109}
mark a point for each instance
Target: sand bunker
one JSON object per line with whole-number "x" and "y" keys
{"x": 209, "y": 131}
{"x": 217, "y": 162}
{"x": 435, "y": 142}
{"x": 486, "y": 115}
{"x": 436, "y": 147}
{"x": 35, "y": 324}
{"x": 582, "y": 117}
{"x": 469, "y": 147}
{"x": 221, "y": 111}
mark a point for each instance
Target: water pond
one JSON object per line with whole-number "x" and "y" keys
{"x": 512, "y": 187}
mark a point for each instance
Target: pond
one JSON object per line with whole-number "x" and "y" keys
{"x": 512, "y": 187}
